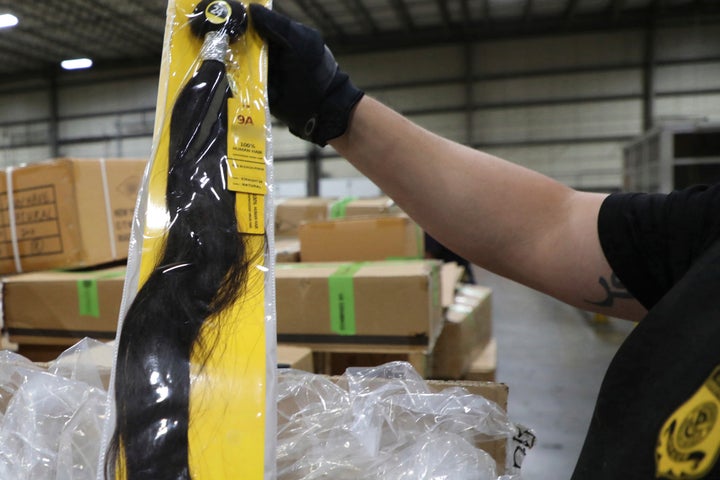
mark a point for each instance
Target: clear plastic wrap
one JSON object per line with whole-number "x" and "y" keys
{"x": 14, "y": 370}
{"x": 53, "y": 418}
{"x": 87, "y": 361}
{"x": 387, "y": 424}
{"x": 194, "y": 362}
{"x": 371, "y": 423}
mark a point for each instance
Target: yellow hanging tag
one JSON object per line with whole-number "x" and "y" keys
{"x": 246, "y": 146}
{"x": 250, "y": 211}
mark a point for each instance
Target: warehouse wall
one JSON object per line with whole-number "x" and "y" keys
{"x": 562, "y": 105}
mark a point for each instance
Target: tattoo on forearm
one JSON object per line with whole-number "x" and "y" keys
{"x": 613, "y": 289}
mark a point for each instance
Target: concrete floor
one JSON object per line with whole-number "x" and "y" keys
{"x": 553, "y": 358}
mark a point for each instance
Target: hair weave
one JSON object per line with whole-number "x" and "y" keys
{"x": 202, "y": 270}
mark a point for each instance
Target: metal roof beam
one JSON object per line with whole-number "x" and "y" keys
{"x": 485, "y": 9}
{"x": 118, "y": 23}
{"x": 615, "y": 8}
{"x": 479, "y": 29}
{"x": 359, "y": 9}
{"x": 527, "y": 11}
{"x": 320, "y": 17}
{"x": 444, "y": 12}
{"x": 570, "y": 10}
{"x": 403, "y": 14}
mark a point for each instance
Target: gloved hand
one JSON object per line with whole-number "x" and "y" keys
{"x": 306, "y": 88}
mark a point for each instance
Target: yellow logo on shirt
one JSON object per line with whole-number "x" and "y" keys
{"x": 689, "y": 441}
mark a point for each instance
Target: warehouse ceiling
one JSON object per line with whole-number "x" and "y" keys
{"x": 130, "y": 32}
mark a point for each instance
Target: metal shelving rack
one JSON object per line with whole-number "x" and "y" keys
{"x": 673, "y": 156}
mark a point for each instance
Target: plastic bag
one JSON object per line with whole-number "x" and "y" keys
{"x": 387, "y": 424}
{"x": 87, "y": 361}
{"x": 195, "y": 361}
{"x": 53, "y": 420}
{"x": 372, "y": 423}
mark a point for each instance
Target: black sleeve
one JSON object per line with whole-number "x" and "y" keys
{"x": 650, "y": 240}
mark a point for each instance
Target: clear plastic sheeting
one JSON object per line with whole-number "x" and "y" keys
{"x": 386, "y": 424}
{"x": 371, "y": 423}
{"x": 88, "y": 361}
{"x": 52, "y": 417}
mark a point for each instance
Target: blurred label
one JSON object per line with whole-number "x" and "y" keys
{"x": 250, "y": 211}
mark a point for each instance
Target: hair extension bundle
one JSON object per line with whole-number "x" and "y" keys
{"x": 201, "y": 270}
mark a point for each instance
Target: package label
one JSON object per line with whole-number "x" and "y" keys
{"x": 37, "y": 224}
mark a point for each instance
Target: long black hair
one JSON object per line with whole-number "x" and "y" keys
{"x": 201, "y": 271}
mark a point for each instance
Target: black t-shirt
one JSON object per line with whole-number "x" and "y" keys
{"x": 658, "y": 410}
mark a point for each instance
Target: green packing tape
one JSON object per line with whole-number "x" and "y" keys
{"x": 88, "y": 299}
{"x": 342, "y": 299}
{"x": 339, "y": 208}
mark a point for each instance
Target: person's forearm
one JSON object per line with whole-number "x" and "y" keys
{"x": 499, "y": 215}
{"x": 473, "y": 202}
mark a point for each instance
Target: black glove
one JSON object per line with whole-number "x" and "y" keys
{"x": 306, "y": 88}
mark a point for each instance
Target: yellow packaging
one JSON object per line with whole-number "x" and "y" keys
{"x": 230, "y": 431}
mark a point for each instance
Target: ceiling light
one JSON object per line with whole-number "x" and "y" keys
{"x": 8, "y": 20}
{"x": 76, "y": 63}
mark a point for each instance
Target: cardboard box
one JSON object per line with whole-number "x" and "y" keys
{"x": 495, "y": 392}
{"x": 480, "y": 299}
{"x": 370, "y": 303}
{"x": 290, "y": 213}
{"x": 334, "y": 360}
{"x": 375, "y": 206}
{"x": 484, "y": 364}
{"x": 467, "y": 330}
{"x": 67, "y": 213}
{"x": 450, "y": 274}
{"x": 55, "y": 309}
{"x": 287, "y": 250}
{"x": 296, "y": 357}
{"x": 337, "y": 362}
{"x": 360, "y": 239}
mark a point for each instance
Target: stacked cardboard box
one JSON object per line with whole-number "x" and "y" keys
{"x": 360, "y": 239}
{"x": 290, "y": 213}
{"x": 363, "y": 207}
{"x": 294, "y": 357}
{"x": 67, "y": 213}
{"x": 366, "y": 306}
{"x": 287, "y": 250}
{"x": 366, "y": 231}
{"x": 45, "y": 312}
{"x": 466, "y": 333}
{"x": 361, "y": 284}
{"x": 377, "y": 253}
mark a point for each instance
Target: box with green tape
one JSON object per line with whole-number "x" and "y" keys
{"x": 60, "y": 308}
{"x": 290, "y": 213}
{"x": 385, "y": 303}
{"x": 361, "y": 239}
{"x": 349, "y": 207}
